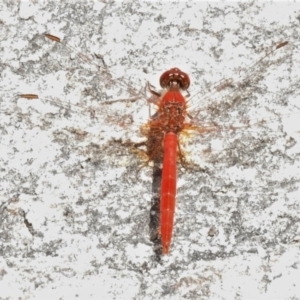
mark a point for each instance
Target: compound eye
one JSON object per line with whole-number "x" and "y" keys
{"x": 177, "y": 75}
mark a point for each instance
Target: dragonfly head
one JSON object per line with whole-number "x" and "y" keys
{"x": 174, "y": 77}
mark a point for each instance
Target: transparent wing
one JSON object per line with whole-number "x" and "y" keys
{"x": 243, "y": 102}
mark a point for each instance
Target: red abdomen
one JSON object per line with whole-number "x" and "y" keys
{"x": 168, "y": 190}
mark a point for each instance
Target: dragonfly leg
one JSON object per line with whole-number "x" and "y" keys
{"x": 155, "y": 99}
{"x": 188, "y": 94}
{"x": 154, "y": 93}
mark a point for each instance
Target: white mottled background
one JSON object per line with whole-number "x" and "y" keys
{"x": 75, "y": 207}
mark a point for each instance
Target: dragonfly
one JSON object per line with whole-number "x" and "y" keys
{"x": 177, "y": 117}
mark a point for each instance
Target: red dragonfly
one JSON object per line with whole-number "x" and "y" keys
{"x": 170, "y": 121}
